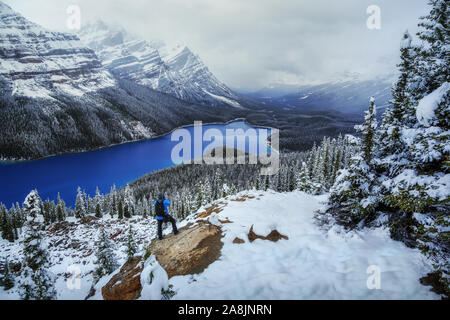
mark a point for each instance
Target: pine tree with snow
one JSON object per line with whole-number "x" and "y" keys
{"x": 7, "y": 278}
{"x": 433, "y": 56}
{"x": 353, "y": 197}
{"x": 120, "y": 209}
{"x": 36, "y": 282}
{"x": 350, "y": 200}
{"x": 131, "y": 246}
{"x": 60, "y": 209}
{"x": 128, "y": 202}
{"x": 98, "y": 211}
{"x": 368, "y": 131}
{"x": 4, "y": 225}
{"x": 105, "y": 258}
{"x": 32, "y": 205}
{"x": 303, "y": 181}
{"x": 113, "y": 198}
{"x": 80, "y": 205}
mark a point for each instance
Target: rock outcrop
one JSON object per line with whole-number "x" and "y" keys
{"x": 126, "y": 284}
{"x": 273, "y": 236}
{"x": 189, "y": 252}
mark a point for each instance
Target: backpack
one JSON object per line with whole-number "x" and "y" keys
{"x": 160, "y": 209}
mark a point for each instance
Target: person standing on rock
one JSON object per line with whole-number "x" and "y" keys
{"x": 162, "y": 215}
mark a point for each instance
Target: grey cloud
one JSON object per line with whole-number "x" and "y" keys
{"x": 252, "y": 43}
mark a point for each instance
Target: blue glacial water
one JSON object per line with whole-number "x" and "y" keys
{"x": 119, "y": 165}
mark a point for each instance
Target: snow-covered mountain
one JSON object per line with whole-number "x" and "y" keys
{"x": 57, "y": 97}
{"x": 173, "y": 70}
{"x": 35, "y": 62}
{"x": 349, "y": 95}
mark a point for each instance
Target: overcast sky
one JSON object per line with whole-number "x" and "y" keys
{"x": 253, "y": 43}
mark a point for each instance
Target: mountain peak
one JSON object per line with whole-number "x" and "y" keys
{"x": 99, "y": 35}
{"x": 173, "y": 69}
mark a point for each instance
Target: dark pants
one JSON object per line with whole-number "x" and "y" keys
{"x": 167, "y": 218}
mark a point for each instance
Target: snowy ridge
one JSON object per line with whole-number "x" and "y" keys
{"x": 173, "y": 70}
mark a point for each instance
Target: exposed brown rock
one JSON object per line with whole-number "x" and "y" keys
{"x": 189, "y": 252}
{"x": 89, "y": 220}
{"x": 125, "y": 285}
{"x": 225, "y": 221}
{"x": 115, "y": 234}
{"x": 273, "y": 236}
{"x": 213, "y": 209}
{"x": 238, "y": 240}
{"x": 59, "y": 226}
{"x": 241, "y": 199}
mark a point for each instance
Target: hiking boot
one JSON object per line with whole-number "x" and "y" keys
{"x": 176, "y": 232}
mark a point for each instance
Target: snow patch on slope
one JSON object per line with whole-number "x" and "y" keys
{"x": 226, "y": 100}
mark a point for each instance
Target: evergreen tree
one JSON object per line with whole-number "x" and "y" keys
{"x": 368, "y": 129}
{"x": 80, "y": 205}
{"x": 120, "y": 209}
{"x": 303, "y": 180}
{"x": 32, "y": 206}
{"x": 4, "y": 224}
{"x": 105, "y": 258}
{"x": 353, "y": 197}
{"x": 60, "y": 209}
{"x": 433, "y": 58}
{"x": 98, "y": 211}
{"x": 351, "y": 200}
{"x": 36, "y": 283}
{"x": 128, "y": 203}
{"x": 131, "y": 247}
{"x": 7, "y": 278}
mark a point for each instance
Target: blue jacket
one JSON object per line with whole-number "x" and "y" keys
{"x": 166, "y": 204}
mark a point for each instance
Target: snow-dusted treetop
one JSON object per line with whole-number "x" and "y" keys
{"x": 406, "y": 41}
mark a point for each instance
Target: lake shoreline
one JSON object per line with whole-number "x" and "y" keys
{"x": 13, "y": 161}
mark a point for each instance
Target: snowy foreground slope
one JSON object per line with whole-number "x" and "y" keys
{"x": 311, "y": 264}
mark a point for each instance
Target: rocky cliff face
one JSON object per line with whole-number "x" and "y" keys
{"x": 176, "y": 71}
{"x": 37, "y": 62}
